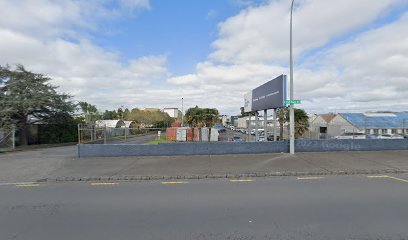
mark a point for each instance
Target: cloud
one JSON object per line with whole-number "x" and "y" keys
{"x": 261, "y": 33}
{"x": 343, "y": 61}
{"x": 50, "y": 37}
{"x": 364, "y": 72}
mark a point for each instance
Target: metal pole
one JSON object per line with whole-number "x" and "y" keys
{"x": 13, "y": 138}
{"x": 292, "y": 110}
{"x": 79, "y": 133}
{"x": 104, "y": 135}
{"x": 275, "y": 132}
{"x": 182, "y": 112}
{"x": 265, "y": 124}
{"x": 249, "y": 127}
{"x": 256, "y": 127}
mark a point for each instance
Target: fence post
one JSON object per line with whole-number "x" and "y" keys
{"x": 79, "y": 133}
{"x": 13, "y": 138}
{"x": 104, "y": 135}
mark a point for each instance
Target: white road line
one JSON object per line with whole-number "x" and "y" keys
{"x": 103, "y": 184}
{"x": 17, "y": 183}
{"x": 28, "y": 185}
{"x": 173, "y": 182}
{"x": 309, "y": 178}
{"x": 241, "y": 180}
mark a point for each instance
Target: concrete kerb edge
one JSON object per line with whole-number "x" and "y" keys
{"x": 218, "y": 176}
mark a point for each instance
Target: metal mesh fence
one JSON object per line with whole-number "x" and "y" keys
{"x": 344, "y": 130}
{"x": 94, "y": 134}
{"x": 7, "y": 139}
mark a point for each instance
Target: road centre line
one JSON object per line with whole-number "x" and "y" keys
{"x": 241, "y": 180}
{"x": 309, "y": 178}
{"x": 173, "y": 182}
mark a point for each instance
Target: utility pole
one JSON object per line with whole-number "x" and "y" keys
{"x": 292, "y": 110}
{"x": 182, "y": 112}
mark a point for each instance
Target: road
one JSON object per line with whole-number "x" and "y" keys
{"x": 331, "y": 207}
{"x": 228, "y": 134}
{"x": 134, "y": 139}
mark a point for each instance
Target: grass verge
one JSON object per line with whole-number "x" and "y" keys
{"x": 162, "y": 139}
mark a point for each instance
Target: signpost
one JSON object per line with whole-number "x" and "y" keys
{"x": 288, "y": 102}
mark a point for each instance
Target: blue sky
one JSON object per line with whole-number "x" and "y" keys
{"x": 181, "y": 29}
{"x": 350, "y": 55}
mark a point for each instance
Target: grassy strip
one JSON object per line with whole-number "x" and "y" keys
{"x": 162, "y": 139}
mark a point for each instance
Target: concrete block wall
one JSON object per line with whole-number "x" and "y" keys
{"x": 219, "y": 148}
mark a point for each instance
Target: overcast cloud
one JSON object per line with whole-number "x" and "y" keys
{"x": 343, "y": 61}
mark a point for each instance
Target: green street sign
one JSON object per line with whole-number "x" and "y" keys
{"x": 292, "y": 102}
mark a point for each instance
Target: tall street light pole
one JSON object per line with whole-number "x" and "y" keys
{"x": 292, "y": 110}
{"x": 182, "y": 112}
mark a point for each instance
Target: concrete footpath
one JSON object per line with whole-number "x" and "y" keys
{"x": 61, "y": 164}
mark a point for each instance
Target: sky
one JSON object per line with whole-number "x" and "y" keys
{"x": 350, "y": 56}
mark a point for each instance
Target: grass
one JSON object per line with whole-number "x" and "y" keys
{"x": 162, "y": 139}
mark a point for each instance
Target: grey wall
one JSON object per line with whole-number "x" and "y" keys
{"x": 181, "y": 148}
{"x": 351, "y": 145}
{"x": 217, "y": 148}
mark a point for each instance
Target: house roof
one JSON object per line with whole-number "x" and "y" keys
{"x": 328, "y": 117}
{"x": 110, "y": 123}
{"x": 377, "y": 120}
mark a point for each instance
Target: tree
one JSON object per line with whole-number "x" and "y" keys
{"x": 201, "y": 117}
{"x": 110, "y": 115}
{"x": 24, "y": 95}
{"x": 149, "y": 118}
{"x": 301, "y": 121}
{"x": 89, "y": 111}
{"x": 281, "y": 113}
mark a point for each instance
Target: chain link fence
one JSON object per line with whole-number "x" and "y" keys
{"x": 315, "y": 131}
{"x": 96, "y": 134}
{"x": 7, "y": 139}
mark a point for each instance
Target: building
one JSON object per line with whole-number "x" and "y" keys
{"x": 327, "y": 126}
{"x": 320, "y": 126}
{"x": 243, "y": 122}
{"x": 225, "y": 120}
{"x": 172, "y": 112}
{"x": 372, "y": 123}
{"x": 234, "y": 121}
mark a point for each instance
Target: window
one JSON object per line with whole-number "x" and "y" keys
{"x": 367, "y": 131}
{"x": 394, "y": 131}
{"x": 376, "y": 131}
{"x": 384, "y": 131}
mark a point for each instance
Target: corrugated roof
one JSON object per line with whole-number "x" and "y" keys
{"x": 377, "y": 121}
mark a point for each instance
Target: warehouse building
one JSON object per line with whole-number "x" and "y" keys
{"x": 326, "y": 126}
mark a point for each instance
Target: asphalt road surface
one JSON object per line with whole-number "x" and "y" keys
{"x": 228, "y": 134}
{"x": 331, "y": 207}
{"x": 134, "y": 139}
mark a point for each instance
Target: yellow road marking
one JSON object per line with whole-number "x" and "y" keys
{"x": 389, "y": 177}
{"x": 399, "y": 179}
{"x": 28, "y": 185}
{"x": 378, "y": 176}
{"x": 103, "y": 184}
{"x": 241, "y": 180}
{"x": 173, "y": 182}
{"x": 309, "y": 178}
